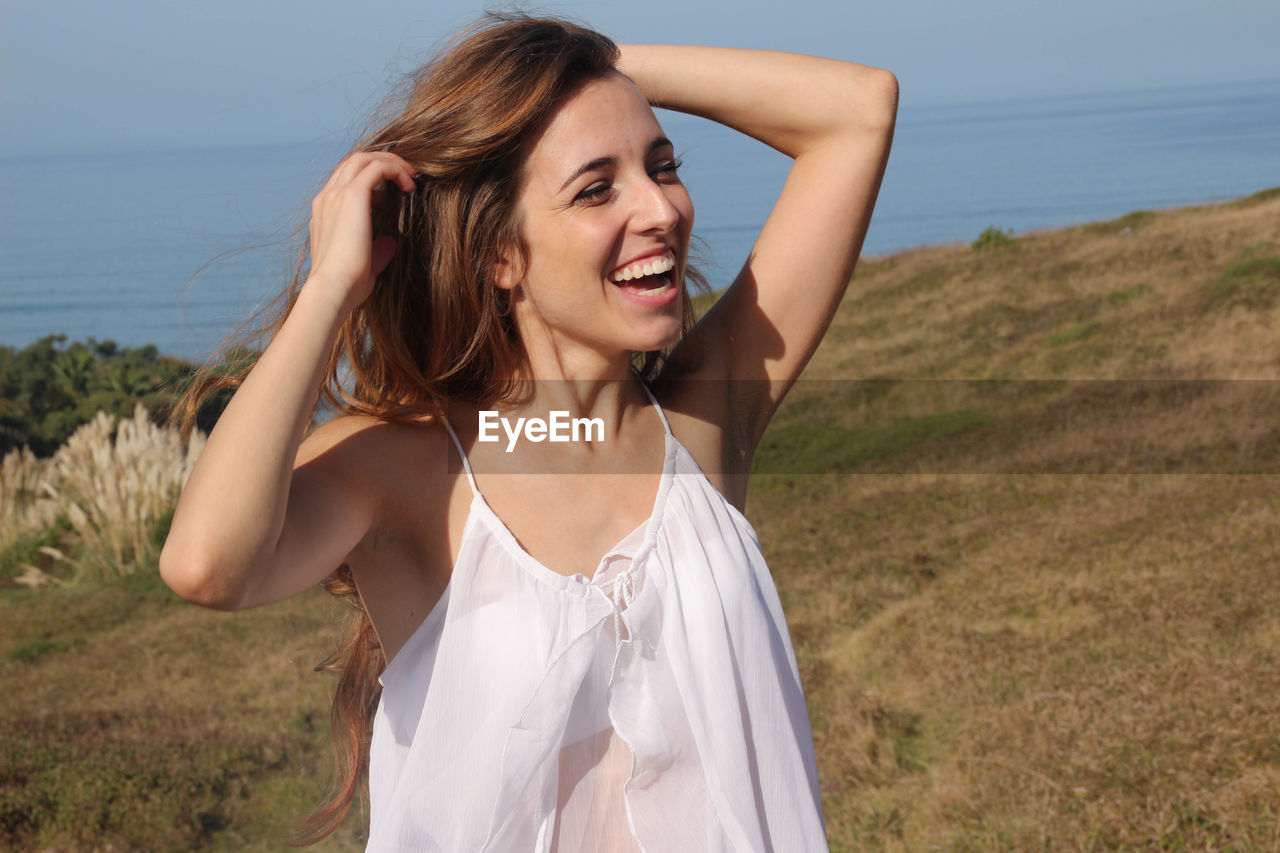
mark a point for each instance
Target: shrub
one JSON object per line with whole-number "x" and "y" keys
{"x": 50, "y": 389}
{"x": 992, "y": 238}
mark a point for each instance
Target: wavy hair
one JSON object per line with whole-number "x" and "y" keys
{"x": 436, "y": 325}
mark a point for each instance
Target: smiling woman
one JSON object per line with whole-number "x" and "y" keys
{"x": 601, "y": 186}
{"x": 568, "y": 646}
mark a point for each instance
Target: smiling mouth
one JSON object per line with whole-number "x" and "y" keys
{"x": 643, "y": 269}
{"x": 648, "y": 277}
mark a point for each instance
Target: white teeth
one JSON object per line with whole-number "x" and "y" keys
{"x": 666, "y": 282}
{"x": 639, "y": 270}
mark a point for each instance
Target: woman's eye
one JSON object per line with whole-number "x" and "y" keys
{"x": 600, "y": 192}
{"x": 668, "y": 169}
{"x": 595, "y": 192}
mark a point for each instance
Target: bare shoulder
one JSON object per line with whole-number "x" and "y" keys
{"x": 333, "y": 433}
{"x": 359, "y": 440}
{"x": 371, "y": 468}
{"x": 384, "y": 455}
{"x": 403, "y": 562}
{"x": 398, "y": 472}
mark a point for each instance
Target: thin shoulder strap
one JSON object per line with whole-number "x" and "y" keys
{"x": 666, "y": 426}
{"x": 466, "y": 466}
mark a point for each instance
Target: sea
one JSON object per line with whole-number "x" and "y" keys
{"x": 177, "y": 248}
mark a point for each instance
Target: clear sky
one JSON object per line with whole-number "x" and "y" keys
{"x": 90, "y": 75}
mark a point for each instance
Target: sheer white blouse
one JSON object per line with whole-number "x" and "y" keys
{"x": 655, "y": 706}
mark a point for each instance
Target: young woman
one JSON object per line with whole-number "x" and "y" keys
{"x": 562, "y": 645}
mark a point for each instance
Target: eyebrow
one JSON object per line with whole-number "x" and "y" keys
{"x": 601, "y": 162}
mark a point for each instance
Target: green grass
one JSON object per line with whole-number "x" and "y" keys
{"x": 26, "y": 550}
{"x": 1253, "y": 283}
{"x": 1122, "y": 295}
{"x": 1124, "y": 225}
{"x": 164, "y": 778}
{"x": 131, "y": 719}
{"x": 1257, "y": 198}
{"x": 33, "y": 650}
{"x": 818, "y": 448}
{"x": 1073, "y": 333}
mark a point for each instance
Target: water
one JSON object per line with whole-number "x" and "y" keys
{"x": 106, "y": 246}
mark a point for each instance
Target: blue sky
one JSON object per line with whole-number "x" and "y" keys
{"x": 87, "y": 75}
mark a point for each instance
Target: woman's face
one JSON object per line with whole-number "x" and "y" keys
{"x": 600, "y": 204}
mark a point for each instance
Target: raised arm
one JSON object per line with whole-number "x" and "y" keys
{"x": 249, "y": 528}
{"x": 835, "y": 119}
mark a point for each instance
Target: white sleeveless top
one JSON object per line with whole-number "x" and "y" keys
{"x": 655, "y": 706}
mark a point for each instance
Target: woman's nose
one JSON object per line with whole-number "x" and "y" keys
{"x": 656, "y": 212}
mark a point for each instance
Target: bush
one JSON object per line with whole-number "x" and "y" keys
{"x": 992, "y": 238}
{"x": 51, "y": 388}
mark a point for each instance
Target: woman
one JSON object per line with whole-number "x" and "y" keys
{"x": 562, "y": 645}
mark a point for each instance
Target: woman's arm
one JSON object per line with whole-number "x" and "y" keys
{"x": 836, "y": 120}
{"x": 242, "y": 533}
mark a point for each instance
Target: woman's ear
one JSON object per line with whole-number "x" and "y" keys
{"x": 504, "y": 274}
{"x": 508, "y": 270}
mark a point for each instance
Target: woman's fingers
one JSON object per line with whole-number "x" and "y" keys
{"x": 343, "y": 249}
{"x": 358, "y": 179}
{"x": 355, "y": 163}
{"x": 377, "y": 171}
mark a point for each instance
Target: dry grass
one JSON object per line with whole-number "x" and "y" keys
{"x": 1029, "y": 615}
{"x": 1160, "y": 287}
{"x": 1056, "y": 630}
{"x": 112, "y": 480}
{"x": 138, "y": 722}
{"x": 23, "y": 506}
{"x": 1042, "y": 662}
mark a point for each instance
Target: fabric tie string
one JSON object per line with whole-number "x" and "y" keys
{"x": 623, "y": 595}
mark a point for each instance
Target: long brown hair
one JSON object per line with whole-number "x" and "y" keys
{"x": 436, "y": 324}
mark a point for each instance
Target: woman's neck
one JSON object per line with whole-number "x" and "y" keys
{"x": 579, "y": 379}
{"x": 600, "y": 391}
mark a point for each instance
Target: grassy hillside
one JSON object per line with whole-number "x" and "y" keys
{"x": 1034, "y": 600}
{"x": 1035, "y": 613}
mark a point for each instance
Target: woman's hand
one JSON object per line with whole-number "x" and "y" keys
{"x": 346, "y": 256}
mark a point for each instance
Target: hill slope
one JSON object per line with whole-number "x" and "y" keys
{"x": 1038, "y": 607}
{"x": 1034, "y": 600}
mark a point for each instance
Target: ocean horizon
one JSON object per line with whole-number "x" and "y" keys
{"x": 176, "y": 248}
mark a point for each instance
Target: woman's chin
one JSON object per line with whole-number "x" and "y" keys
{"x": 658, "y": 338}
